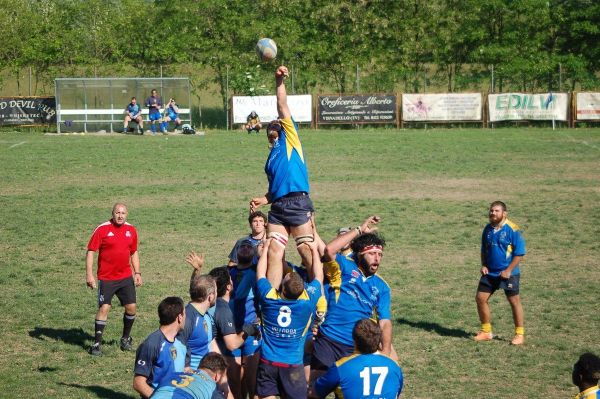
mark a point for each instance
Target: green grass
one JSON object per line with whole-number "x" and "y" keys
{"x": 431, "y": 188}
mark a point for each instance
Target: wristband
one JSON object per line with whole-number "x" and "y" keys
{"x": 358, "y": 230}
{"x": 138, "y": 273}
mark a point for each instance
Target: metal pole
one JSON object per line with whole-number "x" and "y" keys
{"x": 493, "y": 88}
{"x": 357, "y": 79}
{"x": 559, "y": 76}
{"x": 293, "y": 85}
{"x": 227, "y": 97}
{"x": 29, "y": 80}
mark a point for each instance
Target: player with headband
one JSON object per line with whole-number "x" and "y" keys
{"x": 355, "y": 292}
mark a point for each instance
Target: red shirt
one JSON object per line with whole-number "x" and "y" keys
{"x": 115, "y": 244}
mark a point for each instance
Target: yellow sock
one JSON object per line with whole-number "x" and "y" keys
{"x": 520, "y": 330}
{"x": 486, "y": 327}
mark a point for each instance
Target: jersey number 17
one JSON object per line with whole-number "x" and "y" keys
{"x": 366, "y": 373}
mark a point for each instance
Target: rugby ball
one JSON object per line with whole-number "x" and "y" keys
{"x": 266, "y": 49}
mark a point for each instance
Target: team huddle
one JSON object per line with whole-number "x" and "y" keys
{"x": 263, "y": 327}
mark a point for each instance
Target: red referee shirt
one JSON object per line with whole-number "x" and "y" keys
{"x": 115, "y": 245}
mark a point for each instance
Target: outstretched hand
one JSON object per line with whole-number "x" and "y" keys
{"x": 368, "y": 226}
{"x": 197, "y": 261}
{"x": 257, "y": 202}
{"x": 282, "y": 72}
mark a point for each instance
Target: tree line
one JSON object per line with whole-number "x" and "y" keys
{"x": 342, "y": 46}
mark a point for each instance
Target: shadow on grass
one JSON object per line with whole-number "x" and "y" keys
{"x": 436, "y": 328}
{"x": 73, "y": 336}
{"x": 100, "y": 392}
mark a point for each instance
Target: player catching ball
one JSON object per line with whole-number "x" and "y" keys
{"x": 288, "y": 194}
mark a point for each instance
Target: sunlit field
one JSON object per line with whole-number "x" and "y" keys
{"x": 431, "y": 188}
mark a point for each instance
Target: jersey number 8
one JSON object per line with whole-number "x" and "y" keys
{"x": 285, "y": 316}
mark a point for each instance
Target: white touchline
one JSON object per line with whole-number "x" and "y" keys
{"x": 16, "y": 145}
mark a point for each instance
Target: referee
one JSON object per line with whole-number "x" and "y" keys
{"x": 118, "y": 273}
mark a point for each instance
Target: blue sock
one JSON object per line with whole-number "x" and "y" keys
{"x": 153, "y": 127}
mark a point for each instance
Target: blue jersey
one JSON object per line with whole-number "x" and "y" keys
{"x": 233, "y": 253}
{"x": 133, "y": 109}
{"x": 362, "y": 376}
{"x": 286, "y": 322}
{"x": 197, "y": 334}
{"x": 172, "y": 113}
{"x": 286, "y": 166}
{"x": 157, "y": 356}
{"x": 498, "y": 247}
{"x": 195, "y": 385}
{"x": 352, "y": 296}
{"x": 242, "y": 301}
{"x": 154, "y": 100}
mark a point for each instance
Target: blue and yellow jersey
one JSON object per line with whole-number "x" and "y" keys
{"x": 590, "y": 393}
{"x": 286, "y": 322}
{"x": 197, "y": 334}
{"x": 242, "y": 301}
{"x": 286, "y": 166}
{"x": 157, "y": 356}
{"x": 194, "y": 385}
{"x": 498, "y": 247}
{"x": 352, "y": 296}
{"x": 362, "y": 376}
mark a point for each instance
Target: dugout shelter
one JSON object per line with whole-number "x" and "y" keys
{"x": 98, "y": 104}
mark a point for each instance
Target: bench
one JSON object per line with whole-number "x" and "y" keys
{"x": 111, "y": 116}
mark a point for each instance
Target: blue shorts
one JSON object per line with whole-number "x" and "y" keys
{"x": 280, "y": 379}
{"x": 154, "y": 116}
{"x": 326, "y": 352}
{"x": 294, "y": 209}
{"x": 248, "y": 348}
{"x": 490, "y": 284}
{"x": 172, "y": 117}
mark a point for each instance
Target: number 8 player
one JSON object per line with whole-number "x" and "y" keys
{"x": 286, "y": 319}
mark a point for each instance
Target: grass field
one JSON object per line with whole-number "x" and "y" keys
{"x": 431, "y": 188}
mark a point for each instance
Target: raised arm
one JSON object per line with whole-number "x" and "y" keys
{"x": 315, "y": 271}
{"x": 368, "y": 226}
{"x": 261, "y": 267}
{"x": 282, "y": 106}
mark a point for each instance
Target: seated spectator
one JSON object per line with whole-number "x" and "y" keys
{"x": 133, "y": 113}
{"x": 253, "y": 123}
{"x": 171, "y": 114}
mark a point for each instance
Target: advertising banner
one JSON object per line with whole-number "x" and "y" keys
{"x": 441, "y": 107}
{"x": 588, "y": 107}
{"x": 27, "y": 111}
{"x": 266, "y": 108}
{"x": 526, "y": 106}
{"x": 368, "y": 108}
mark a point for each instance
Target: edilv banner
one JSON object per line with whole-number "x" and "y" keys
{"x": 368, "y": 108}
{"x": 527, "y": 106}
{"x": 27, "y": 111}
